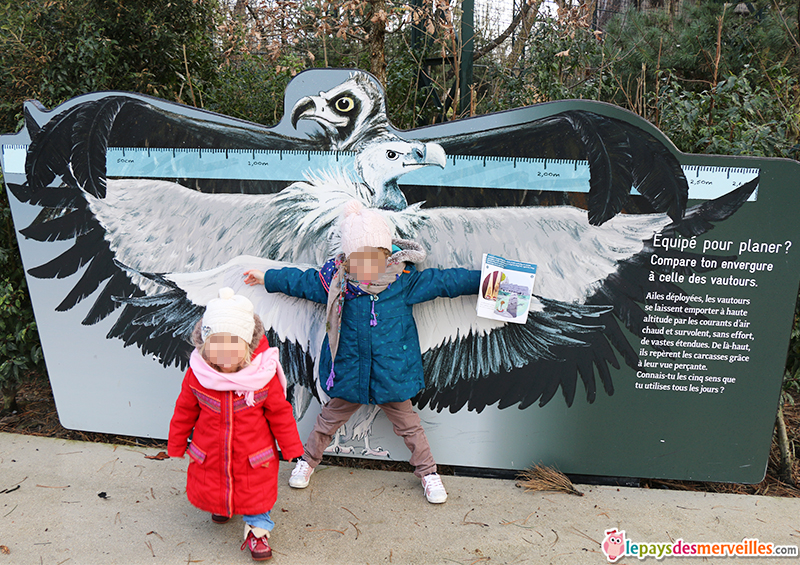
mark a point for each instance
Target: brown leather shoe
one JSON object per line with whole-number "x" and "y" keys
{"x": 219, "y": 518}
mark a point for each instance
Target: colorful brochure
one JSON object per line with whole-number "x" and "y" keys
{"x": 506, "y": 288}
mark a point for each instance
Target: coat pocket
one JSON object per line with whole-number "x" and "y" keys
{"x": 262, "y": 458}
{"x": 197, "y": 454}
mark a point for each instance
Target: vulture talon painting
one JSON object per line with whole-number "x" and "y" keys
{"x": 659, "y": 292}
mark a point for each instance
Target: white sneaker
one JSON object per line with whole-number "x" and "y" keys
{"x": 300, "y": 474}
{"x": 434, "y": 489}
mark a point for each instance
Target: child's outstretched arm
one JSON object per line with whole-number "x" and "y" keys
{"x": 435, "y": 283}
{"x": 292, "y": 281}
{"x": 254, "y": 277}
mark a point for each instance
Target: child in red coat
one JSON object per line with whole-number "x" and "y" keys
{"x": 234, "y": 398}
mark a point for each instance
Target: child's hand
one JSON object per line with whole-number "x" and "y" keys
{"x": 254, "y": 277}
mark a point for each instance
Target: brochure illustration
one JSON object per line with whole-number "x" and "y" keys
{"x": 506, "y": 288}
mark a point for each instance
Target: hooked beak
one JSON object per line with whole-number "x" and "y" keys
{"x": 316, "y": 108}
{"x": 428, "y": 154}
{"x": 304, "y": 109}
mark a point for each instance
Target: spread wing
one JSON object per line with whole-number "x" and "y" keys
{"x": 66, "y": 176}
{"x": 161, "y": 322}
{"x": 141, "y": 225}
{"x": 621, "y": 156}
{"x": 71, "y": 145}
{"x": 591, "y": 284}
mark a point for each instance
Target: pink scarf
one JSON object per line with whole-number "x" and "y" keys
{"x": 244, "y": 382}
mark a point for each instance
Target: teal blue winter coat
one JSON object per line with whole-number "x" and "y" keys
{"x": 381, "y": 363}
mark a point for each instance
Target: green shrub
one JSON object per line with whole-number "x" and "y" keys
{"x": 686, "y": 45}
{"x": 252, "y": 89}
{"x": 742, "y": 115}
{"x": 53, "y": 50}
{"x": 20, "y": 351}
{"x": 563, "y": 61}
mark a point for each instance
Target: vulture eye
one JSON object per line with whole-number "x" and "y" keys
{"x": 392, "y": 155}
{"x": 344, "y": 104}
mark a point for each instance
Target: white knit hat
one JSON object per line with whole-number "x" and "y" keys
{"x": 363, "y": 228}
{"x": 230, "y": 313}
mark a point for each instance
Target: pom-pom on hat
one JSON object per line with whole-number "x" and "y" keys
{"x": 230, "y": 313}
{"x": 362, "y": 227}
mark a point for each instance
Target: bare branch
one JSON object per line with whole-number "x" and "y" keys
{"x": 509, "y": 30}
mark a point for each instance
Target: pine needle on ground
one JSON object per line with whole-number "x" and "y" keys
{"x": 541, "y": 478}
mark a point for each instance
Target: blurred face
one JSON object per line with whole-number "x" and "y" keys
{"x": 226, "y": 351}
{"x": 367, "y": 264}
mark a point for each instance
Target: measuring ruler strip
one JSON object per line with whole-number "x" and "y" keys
{"x": 460, "y": 170}
{"x": 467, "y": 171}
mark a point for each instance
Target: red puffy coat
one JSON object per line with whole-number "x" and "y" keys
{"x": 234, "y": 466}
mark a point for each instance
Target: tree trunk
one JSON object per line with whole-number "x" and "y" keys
{"x": 377, "y": 40}
{"x": 523, "y": 13}
{"x": 674, "y": 9}
{"x": 606, "y": 9}
{"x": 525, "y": 26}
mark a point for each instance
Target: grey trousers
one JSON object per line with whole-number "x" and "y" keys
{"x": 405, "y": 421}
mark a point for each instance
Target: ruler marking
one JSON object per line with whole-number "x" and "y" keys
{"x": 464, "y": 171}
{"x": 566, "y": 175}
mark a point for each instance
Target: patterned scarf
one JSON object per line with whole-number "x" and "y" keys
{"x": 410, "y": 252}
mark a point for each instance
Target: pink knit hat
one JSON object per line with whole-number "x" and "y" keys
{"x": 362, "y": 227}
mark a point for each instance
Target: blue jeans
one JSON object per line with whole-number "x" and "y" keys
{"x": 262, "y": 521}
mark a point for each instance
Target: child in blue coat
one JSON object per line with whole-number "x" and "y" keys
{"x": 371, "y": 354}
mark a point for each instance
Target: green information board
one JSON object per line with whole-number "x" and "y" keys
{"x": 661, "y": 311}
